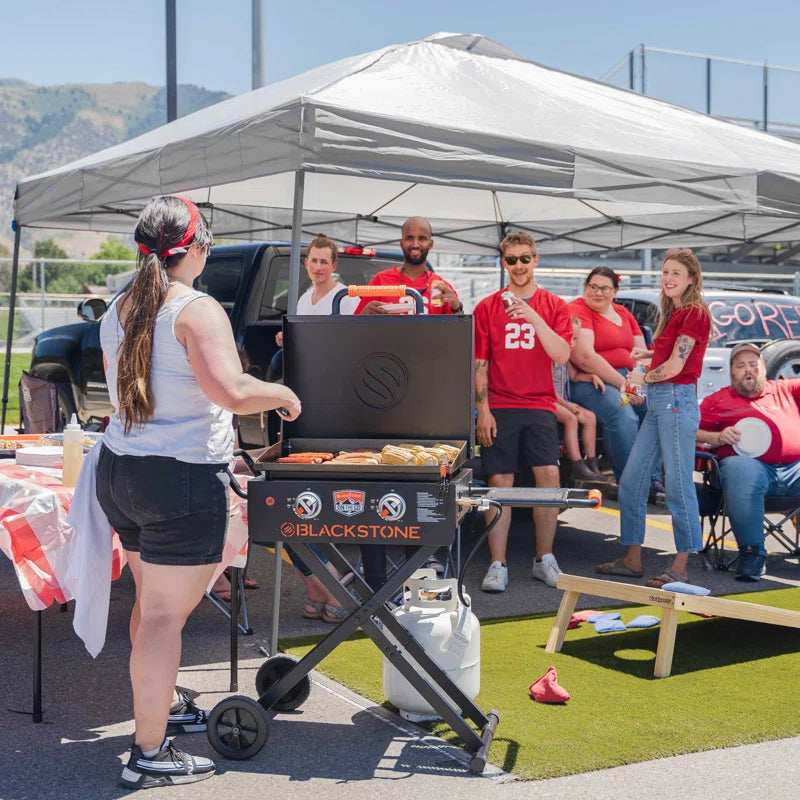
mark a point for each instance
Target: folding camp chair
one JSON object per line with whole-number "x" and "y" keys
{"x": 712, "y": 510}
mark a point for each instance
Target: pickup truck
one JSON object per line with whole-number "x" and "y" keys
{"x": 251, "y": 282}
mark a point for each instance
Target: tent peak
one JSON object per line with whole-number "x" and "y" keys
{"x": 475, "y": 43}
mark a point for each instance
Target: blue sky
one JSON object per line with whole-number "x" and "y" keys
{"x": 60, "y": 41}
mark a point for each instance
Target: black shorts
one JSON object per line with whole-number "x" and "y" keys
{"x": 526, "y": 437}
{"x": 168, "y": 511}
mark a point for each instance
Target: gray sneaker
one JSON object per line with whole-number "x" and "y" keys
{"x": 496, "y": 578}
{"x": 546, "y": 570}
{"x": 168, "y": 767}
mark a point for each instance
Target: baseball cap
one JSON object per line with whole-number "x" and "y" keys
{"x": 745, "y": 347}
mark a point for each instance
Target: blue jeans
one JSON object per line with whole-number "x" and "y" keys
{"x": 668, "y": 431}
{"x": 745, "y": 483}
{"x": 620, "y": 422}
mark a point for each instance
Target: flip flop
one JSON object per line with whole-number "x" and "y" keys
{"x": 618, "y": 567}
{"x": 333, "y": 615}
{"x": 665, "y": 577}
{"x": 313, "y": 609}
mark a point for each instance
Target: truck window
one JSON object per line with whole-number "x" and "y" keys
{"x": 221, "y": 278}
{"x": 351, "y": 270}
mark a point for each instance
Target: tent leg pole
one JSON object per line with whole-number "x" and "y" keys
{"x": 297, "y": 232}
{"x": 12, "y": 299}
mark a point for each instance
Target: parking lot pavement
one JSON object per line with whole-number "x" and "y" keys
{"x": 337, "y": 743}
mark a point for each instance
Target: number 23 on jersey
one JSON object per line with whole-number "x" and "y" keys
{"x": 520, "y": 336}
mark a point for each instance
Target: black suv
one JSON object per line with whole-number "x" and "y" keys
{"x": 250, "y": 280}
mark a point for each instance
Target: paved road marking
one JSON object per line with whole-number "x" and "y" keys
{"x": 653, "y": 523}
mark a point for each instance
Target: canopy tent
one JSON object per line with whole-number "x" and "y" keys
{"x": 454, "y": 127}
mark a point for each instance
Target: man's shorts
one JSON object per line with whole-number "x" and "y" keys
{"x": 169, "y": 511}
{"x": 525, "y": 438}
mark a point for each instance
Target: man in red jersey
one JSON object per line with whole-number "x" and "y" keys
{"x": 765, "y": 460}
{"x": 519, "y": 332}
{"x": 438, "y": 295}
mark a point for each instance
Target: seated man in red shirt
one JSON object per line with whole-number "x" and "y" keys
{"x": 519, "y": 333}
{"x": 438, "y": 295}
{"x": 753, "y": 465}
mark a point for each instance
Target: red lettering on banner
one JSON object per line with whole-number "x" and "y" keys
{"x": 789, "y": 322}
{"x": 768, "y": 313}
{"x": 737, "y": 313}
{"x": 723, "y": 320}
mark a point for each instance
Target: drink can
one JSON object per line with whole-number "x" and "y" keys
{"x": 509, "y": 299}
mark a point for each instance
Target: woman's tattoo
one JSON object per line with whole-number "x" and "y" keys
{"x": 685, "y": 345}
{"x": 655, "y": 375}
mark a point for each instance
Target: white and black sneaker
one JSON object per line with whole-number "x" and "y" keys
{"x": 169, "y": 766}
{"x": 185, "y": 716}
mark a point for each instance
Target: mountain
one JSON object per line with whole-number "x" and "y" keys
{"x": 42, "y": 127}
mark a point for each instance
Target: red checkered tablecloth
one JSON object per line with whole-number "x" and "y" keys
{"x": 34, "y": 532}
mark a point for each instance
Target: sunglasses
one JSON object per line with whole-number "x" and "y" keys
{"x": 511, "y": 260}
{"x": 594, "y": 287}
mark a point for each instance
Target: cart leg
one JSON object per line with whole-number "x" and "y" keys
{"x": 276, "y": 600}
{"x": 37, "y": 670}
{"x": 559, "y": 629}
{"x": 666, "y": 643}
{"x": 234, "y": 635}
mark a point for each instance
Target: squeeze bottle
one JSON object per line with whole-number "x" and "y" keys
{"x": 73, "y": 451}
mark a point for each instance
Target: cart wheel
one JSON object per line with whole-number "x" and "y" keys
{"x": 238, "y": 727}
{"x": 271, "y": 671}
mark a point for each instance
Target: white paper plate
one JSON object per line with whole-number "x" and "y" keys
{"x": 398, "y": 308}
{"x": 40, "y": 456}
{"x": 756, "y": 437}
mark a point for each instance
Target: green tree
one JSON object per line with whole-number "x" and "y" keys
{"x": 48, "y": 248}
{"x": 73, "y": 278}
{"x": 114, "y": 250}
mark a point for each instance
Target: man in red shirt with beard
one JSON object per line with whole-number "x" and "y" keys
{"x": 768, "y": 411}
{"x": 519, "y": 332}
{"x": 438, "y": 295}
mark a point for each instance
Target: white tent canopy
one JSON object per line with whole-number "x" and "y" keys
{"x": 456, "y": 128}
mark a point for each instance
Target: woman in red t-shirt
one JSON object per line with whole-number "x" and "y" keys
{"x": 670, "y": 426}
{"x": 601, "y": 359}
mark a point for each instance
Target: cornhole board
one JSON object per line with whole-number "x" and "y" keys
{"x": 670, "y": 603}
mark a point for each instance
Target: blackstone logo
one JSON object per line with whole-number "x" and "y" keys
{"x": 348, "y": 502}
{"x": 380, "y": 380}
{"x": 307, "y": 505}
{"x": 351, "y": 530}
{"x": 391, "y": 507}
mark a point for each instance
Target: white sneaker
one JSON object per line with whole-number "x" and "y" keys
{"x": 496, "y": 578}
{"x": 546, "y": 570}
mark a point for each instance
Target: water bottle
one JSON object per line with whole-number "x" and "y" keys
{"x": 641, "y": 390}
{"x": 73, "y": 452}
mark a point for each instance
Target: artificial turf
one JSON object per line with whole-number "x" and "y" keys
{"x": 732, "y": 683}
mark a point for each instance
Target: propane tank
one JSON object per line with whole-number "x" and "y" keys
{"x": 449, "y": 633}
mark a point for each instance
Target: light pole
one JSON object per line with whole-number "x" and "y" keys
{"x": 172, "y": 62}
{"x": 259, "y": 54}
